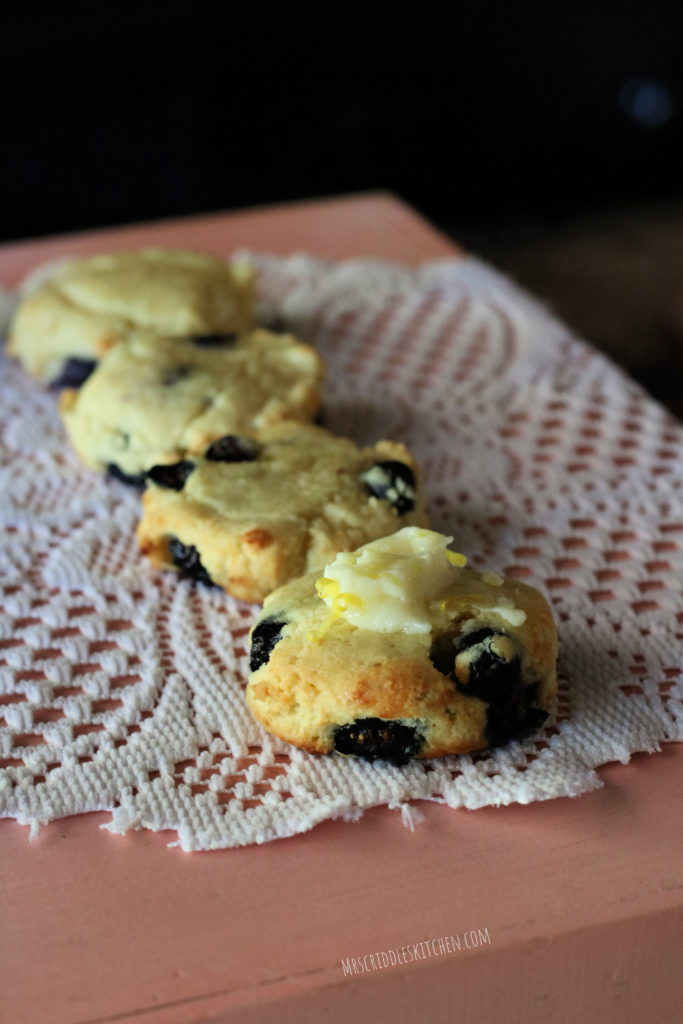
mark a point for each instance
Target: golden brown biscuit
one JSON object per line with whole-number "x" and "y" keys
{"x": 60, "y": 330}
{"x": 399, "y": 653}
{"x": 250, "y": 516}
{"x": 157, "y": 400}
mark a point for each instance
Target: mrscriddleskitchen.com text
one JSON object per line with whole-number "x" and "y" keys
{"x": 428, "y": 949}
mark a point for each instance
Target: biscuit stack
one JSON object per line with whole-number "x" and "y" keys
{"x": 166, "y": 383}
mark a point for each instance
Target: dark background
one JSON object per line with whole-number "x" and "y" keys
{"x": 472, "y": 112}
{"x": 547, "y": 139}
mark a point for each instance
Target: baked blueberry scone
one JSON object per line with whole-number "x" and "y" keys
{"x": 157, "y": 400}
{"x": 249, "y": 515}
{"x": 61, "y": 330}
{"x": 398, "y": 651}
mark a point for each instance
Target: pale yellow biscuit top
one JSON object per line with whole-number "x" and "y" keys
{"x": 155, "y": 400}
{"x": 88, "y": 305}
{"x": 304, "y": 473}
{"x": 356, "y": 645}
{"x": 256, "y": 524}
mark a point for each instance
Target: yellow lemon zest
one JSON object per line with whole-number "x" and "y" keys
{"x": 326, "y": 588}
{"x": 316, "y": 635}
{"x": 462, "y": 599}
{"x": 492, "y": 578}
{"x": 328, "y": 591}
{"x": 343, "y": 602}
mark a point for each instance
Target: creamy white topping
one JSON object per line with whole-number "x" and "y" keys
{"x": 408, "y": 582}
{"x": 506, "y": 610}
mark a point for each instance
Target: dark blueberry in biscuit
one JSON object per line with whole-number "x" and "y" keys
{"x": 263, "y": 639}
{"x": 375, "y": 738}
{"x": 519, "y": 719}
{"x": 442, "y": 654}
{"x": 487, "y": 665}
{"x": 73, "y": 373}
{"x": 173, "y": 476}
{"x": 232, "y": 448}
{"x": 173, "y": 374}
{"x": 186, "y": 559}
{"x": 213, "y": 340}
{"x": 392, "y": 481}
{"x": 132, "y": 479}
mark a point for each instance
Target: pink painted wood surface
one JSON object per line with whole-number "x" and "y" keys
{"x": 582, "y": 899}
{"x": 375, "y": 225}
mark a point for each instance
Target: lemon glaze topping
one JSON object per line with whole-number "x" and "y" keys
{"x": 406, "y": 583}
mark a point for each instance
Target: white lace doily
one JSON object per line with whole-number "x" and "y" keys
{"x": 121, "y": 688}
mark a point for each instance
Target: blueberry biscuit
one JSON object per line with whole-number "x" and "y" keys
{"x": 399, "y": 652}
{"x": 150, "y": 402}
{"x": 60, "y": 330}
{"x": 250, "y": 515}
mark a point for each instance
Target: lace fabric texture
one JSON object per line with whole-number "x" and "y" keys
{"x": 121, "y": 688}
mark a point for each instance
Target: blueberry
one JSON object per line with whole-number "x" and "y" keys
{"x": 132, "y": 479}
{"x": 442, "y": 655}
{"x": 520, "y": 719}
{"x": 186, "y": 559}
{"x": 392, "y": 481}
{"x": 173, "y": 374}
{"x": 214, "y": 340}
{"x": 173, "y": 476}
{"x": 73, "y": 373}
{"x": 486, "y": 669}
{"x": 232, "y": 448}
{"x": 377, "y": 738}
{"x": 263, "y": 639}
{"x": 485, "y": 664}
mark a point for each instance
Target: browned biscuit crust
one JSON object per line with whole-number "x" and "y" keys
{"x": 255, "y": 525}
{"x": 320, "y": 676}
